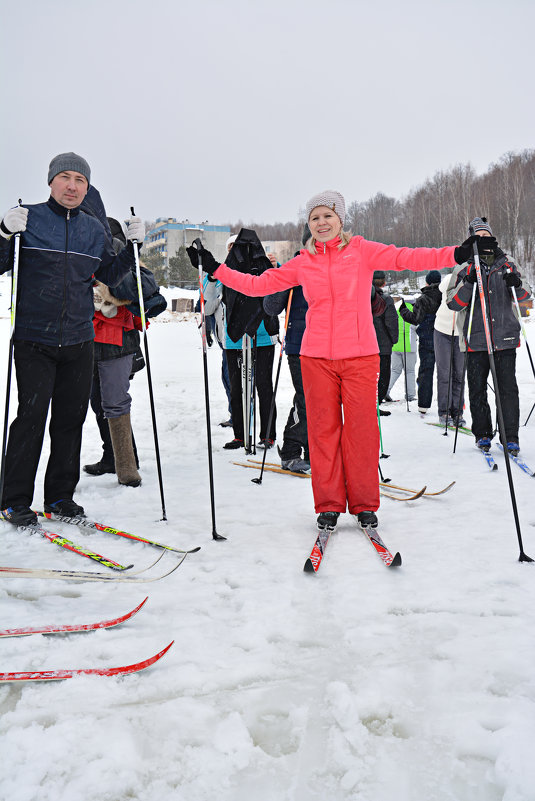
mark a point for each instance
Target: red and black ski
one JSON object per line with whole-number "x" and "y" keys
{"x": 314, "y": 560}
{"x": 373, "y": 536}
{"x": 83, "y": 522}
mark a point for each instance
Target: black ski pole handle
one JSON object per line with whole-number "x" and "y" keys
{"x": 197, "y": 243}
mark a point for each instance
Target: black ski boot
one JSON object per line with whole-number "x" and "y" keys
{"x": 233, "y": 445}
{"x": 19, "y": 515}
{"x": 65, "y": 508}
{"x": 327, "y": 520}
{"x": 99, "y": 468}
{"x": 367, "y": 519}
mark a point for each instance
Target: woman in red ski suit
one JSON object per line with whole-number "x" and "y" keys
{"x": 339, "y": 351}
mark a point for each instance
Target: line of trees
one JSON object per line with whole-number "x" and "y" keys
{"x": 437, "y": 213}
{"x": 434, "y": 214}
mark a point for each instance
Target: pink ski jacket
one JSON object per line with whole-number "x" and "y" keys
{"x": 337, "y": 286}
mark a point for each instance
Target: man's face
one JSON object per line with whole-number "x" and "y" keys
{"x": 69, "y": 188}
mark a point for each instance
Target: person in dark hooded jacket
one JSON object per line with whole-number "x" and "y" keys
{"x": 423, "y": 315}
{"x": 500, "y": 278}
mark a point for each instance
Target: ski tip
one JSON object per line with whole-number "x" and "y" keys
{"x": 309, "y": 567}
{"x": 195, "y": 550}
{"x": 396, "y": 561}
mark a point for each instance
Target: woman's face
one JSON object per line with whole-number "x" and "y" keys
{"x": 324, "y": 224}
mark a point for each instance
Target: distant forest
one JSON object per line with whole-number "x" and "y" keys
{"x": 437, "y": 213}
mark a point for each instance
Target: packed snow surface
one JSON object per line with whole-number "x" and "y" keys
{"x": 358, "y": 683}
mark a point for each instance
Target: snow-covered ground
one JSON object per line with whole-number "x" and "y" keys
{"x": 359, "y": 683}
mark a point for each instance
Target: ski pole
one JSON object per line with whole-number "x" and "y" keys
{"x": 522, "y": 329}
{"x": 523, "y": 557}
{"x": 465, "y": 363}
{"x": 450, "y": 376}
{"x": 149, "y": 377}
{"x": 252, "y": 417}
{"x": 198, "y": 244}
{"x": 383, "y": 454}
{"x": 14, "y": 281}
{"x": 272, "y": 405}
{"x": 405, "y": 363}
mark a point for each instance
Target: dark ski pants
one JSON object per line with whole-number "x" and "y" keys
{"x": 385, "y": 360}
{"x": 264, "y": 389}
{"x": 449, "y": 361}
{"x": 47, "y": 377}
{"x": 478, "y": 372}
{"x": 225, "y": 379}
{"x": 295, "y": 438}
{"x": 426, "y": 371}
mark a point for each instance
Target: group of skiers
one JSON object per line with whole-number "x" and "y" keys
{"x": 61, "y": 248}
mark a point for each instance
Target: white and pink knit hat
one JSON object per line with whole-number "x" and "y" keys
{"x": 330, "y": 198}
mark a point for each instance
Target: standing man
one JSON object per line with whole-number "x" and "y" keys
{"x": 499, "y": 274}
{"x": 62, "y": 251}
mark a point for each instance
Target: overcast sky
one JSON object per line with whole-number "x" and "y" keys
{"x": 222, "y": 110}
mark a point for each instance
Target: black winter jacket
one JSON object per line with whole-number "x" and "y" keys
{"x": 386, "y": 325}
{"x": 424, "y": 311}
{"x": 504, "y": 325}
{"x": 61, "y": 251}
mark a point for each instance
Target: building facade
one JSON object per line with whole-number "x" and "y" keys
{"x": 168, "y": 235}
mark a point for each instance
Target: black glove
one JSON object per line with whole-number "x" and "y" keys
{"x": 487, "y": 244}
{"x": 403, "y": 309}
{"x": 471, "y": 275}
{"x": 209, "y": 264}
{"x": 512, "y": 279}
{"x": 465, "y": 251}
{"x": 498, "y": 252}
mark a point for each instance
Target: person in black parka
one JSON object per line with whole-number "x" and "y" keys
{"x": 387, "y": 331}
{"x": 423, "y": 315}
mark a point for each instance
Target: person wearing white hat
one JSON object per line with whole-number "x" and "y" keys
{"x": 339, "y": 351}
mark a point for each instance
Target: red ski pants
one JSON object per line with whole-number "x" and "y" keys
{"x": 343, "y": 432}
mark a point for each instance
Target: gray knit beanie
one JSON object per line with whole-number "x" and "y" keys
{"x": 479, "y": 224}
{"x": 333, "y": 200}
{"x": 69, "y": 161}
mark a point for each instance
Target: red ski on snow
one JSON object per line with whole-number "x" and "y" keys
{"x": 57, "y": 675}
{"x": 103, "y": 624}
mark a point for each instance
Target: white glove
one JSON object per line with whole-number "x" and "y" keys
{"x": 14, "y": 221}
{"x": 135, "y": 229}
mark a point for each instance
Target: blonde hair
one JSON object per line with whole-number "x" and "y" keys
{"x": 345, "y": 239}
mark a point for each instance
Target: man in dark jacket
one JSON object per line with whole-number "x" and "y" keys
{"x": 387, "y": 331}
{"x": 62, "y": 250}
{"x": 423, "y": 315}
{"x": 499, "y": 276}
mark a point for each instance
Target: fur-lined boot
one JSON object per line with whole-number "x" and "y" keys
{"x": 125, "y": 460}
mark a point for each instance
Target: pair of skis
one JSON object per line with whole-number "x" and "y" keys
{"x": 79, "y": 575}
{"x": 56, "y": 675}
{"x": 385, "y": 488}
{"x": 313, "y": 562}
{"x": 489, "y": 458}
